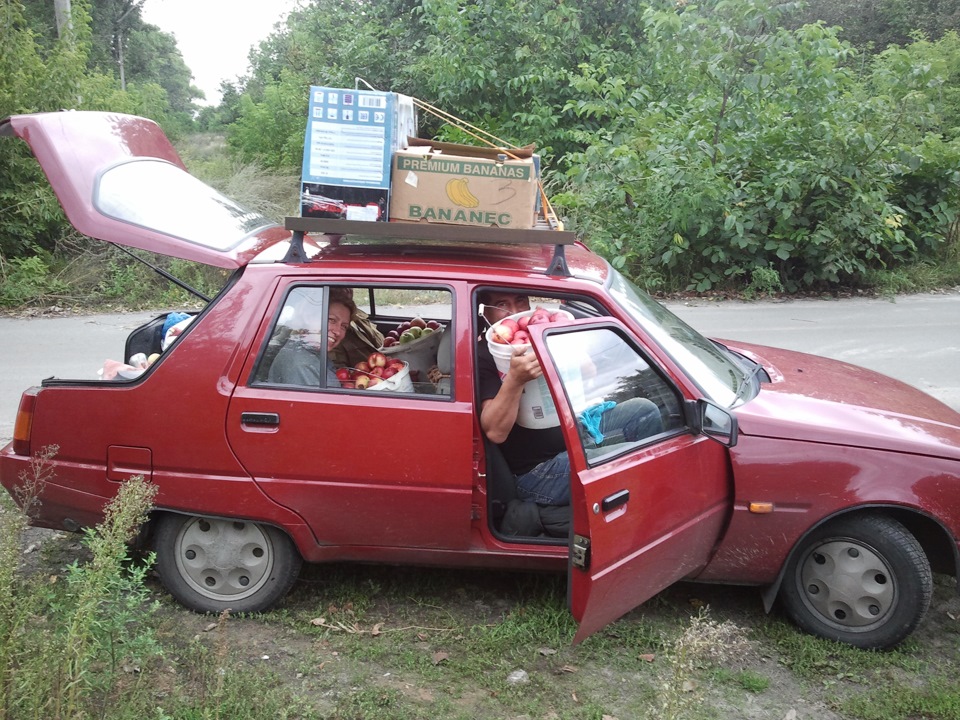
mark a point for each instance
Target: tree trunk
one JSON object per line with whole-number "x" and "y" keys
{"x": 123, "y": 77}
{"x": 61, "y": 10}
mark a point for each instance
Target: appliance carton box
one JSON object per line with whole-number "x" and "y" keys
{"x": 350, "y": 140}
{"x": 463, "y": 185}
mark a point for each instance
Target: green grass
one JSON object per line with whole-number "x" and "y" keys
{"x": 937, "y": 700}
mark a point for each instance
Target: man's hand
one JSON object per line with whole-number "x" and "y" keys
{"x": 524, "y": 367}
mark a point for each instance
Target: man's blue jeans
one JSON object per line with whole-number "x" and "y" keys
{"x": 549, "y": 482}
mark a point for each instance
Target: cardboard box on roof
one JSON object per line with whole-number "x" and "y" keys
{"x": 464, "y": 185}
{"x": 349, "y": 144}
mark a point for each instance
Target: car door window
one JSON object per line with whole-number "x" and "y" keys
{"x": 398, "y": 340}
{"x": 620, "y": 399}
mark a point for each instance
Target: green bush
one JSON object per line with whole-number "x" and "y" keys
{"x": 65, "y": 646}
{"x": 28, "y": 280}
{"x": 760, "y": 148}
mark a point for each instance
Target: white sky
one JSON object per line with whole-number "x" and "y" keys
{"x": 215, "y": 36}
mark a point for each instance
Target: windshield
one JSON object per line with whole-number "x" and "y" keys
{"x": 161, "y": 197}
{"x": 713, "y": 369}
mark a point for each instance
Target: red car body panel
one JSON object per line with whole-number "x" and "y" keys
{"x": 825, "y": 437}
{"x": 821, "y": 400}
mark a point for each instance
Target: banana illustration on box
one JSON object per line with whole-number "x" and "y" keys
{"x": 460, "y": 194}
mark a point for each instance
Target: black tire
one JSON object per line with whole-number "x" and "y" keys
{"x": 863, "y": 580}
{"x": 210, "y": 565}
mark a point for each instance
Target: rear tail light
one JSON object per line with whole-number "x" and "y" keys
{"x": 24, "y": 423}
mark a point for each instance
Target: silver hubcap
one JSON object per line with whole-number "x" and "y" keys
{"x": 224, "y": 559}
{"x": 848, "y": 585}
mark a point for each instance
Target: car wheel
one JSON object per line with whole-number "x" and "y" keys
{"x": 864, "y": 581}
{"x": 211, "y": 565}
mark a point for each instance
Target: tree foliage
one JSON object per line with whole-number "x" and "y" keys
{"x": 34, "y": 77}
{"x": 880, "y": 23}
{"x": 696, "y": 146}
{"x": 761, "y": 148}
{"x": 41, "y": 72}
{"x": 731, "y": 143}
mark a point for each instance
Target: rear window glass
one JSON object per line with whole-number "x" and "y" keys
{"x": 163, "y": 198}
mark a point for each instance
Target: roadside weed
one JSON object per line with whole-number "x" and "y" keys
{"x": 703, "y": 644}
{"x": 67, "y": 647}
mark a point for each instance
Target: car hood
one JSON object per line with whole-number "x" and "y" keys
{"x": 816, "y": 399}
{"x": 120, "y": 180}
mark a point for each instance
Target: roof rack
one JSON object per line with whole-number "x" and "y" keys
{"x": 338, "y": 229}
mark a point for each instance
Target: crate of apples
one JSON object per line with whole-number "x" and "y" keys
{"x": 512, "y": 330}
{"x": 410, "y": 331}
{"x": 373, "y": 372}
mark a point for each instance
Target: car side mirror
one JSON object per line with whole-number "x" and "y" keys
{"x": 713, "y": 421}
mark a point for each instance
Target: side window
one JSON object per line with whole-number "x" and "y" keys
{"x": 390, "y": 339}
{"x": 620, "y": 400}
{"x": 294, "y": 351}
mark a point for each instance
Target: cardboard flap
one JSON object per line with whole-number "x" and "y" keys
{"x": 487, "y": 153}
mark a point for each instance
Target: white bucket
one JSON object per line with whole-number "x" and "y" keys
{"x": 400, "y": 382}
{"x": 536, "y": 410}
{"x": 419, "y": 354}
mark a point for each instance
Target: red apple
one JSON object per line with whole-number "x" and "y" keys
{"x": 522, "y": 322}
{"x": 377, "y": 359}
{"x": 389, "y": 371}
{"x": 520, "y": 337}
{"x": 362, "y": 382}
{"x": 502, "y": 333}
{"x": 396, "y": 363}
{"x": 349, "y": 384}
{"x": 403, "y": 327}
{"x": 377, "y": 371}
{"x": 433, "y": 325}
{"x": 418, "y": 322}
{"x": 363, "y": 366}
{"x": 375, "y": 381}
{"x": 389, "y": 341}
{"x": 394, "y": 334}
{"x": 344, "y": 374}
{"x": 539, "y": 317}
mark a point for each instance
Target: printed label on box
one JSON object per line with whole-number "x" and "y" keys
{"x": 463, "y": 190}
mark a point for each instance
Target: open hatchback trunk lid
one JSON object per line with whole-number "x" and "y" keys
{"x": 120, "y": 180}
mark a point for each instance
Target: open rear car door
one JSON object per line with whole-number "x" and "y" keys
{"x": 648, "y": 510}
{"x": 120, "y": 180}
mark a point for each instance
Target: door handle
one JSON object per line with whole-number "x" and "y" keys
{"x": 614, "y": 501}
{"x": 260, "y": 419}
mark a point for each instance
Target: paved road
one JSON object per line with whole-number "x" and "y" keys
{"x": 913, "y": 338}
{"x": 66, "y": 346}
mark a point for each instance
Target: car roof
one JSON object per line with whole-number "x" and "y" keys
{"x": 478, "y": 261}
{"x": 441, "y": 248}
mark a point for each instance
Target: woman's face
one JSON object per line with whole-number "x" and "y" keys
{"x": 338, "y": 322}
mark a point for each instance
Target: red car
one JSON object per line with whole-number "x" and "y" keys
{"x": 834, "y": 489}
